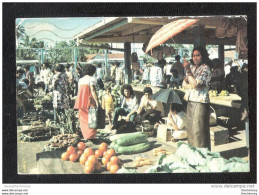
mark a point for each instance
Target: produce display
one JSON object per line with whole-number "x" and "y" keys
{"x": 224, "y": 93}
{"x": 31, "y": 117}
{"x": 159, "y": 151}
{"x": 45, "y": 102}
{"x": 93, "y": 160}
{"x": 146, "y": 128}
{"x": 214, "y": 93}
{"x": 130, "y": 143}
{"x": 61, "y": 141}
{"x": 139, "y": 162}
{"x": 188, "y": 159}
{"x": 38, "y": 131}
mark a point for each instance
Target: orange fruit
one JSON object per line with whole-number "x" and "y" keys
{"x": 111, "y": 152}
{"x": 81, "y": 146}
{"x": 65, "y": 156}
{"x": 92, "y": 159}
{"x": 104, "y": 153}
{"x": 83, "y": 159}
{"x": 105, "y": 161}
{"x": 98, "y": 166}
{"x": 114, "y": 160}
{"x": 103, "y": 146}
{"x": 80, "y": 152}
{"x": 89, "y": 168}
{"x": 71, "y": 150}
{"x": 114, "y": 168}
{"x": 98, "y": 153}
{"x": 107, "y": 156}
{"x": 89, "y": 151}
{"x": 108, "y": 166}
{"x": 73, "y": 157}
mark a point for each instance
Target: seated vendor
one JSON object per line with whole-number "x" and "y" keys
{"x": 129, "y": 105}
{"x": 177, "y": 121}
{"x": 149, "y": 109}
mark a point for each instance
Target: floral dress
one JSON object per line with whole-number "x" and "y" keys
{"x": 60, "y": 91}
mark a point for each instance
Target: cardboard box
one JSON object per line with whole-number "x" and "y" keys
{"x": 163, "y": 133}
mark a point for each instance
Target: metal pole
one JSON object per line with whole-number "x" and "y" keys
{"x": 106, "y": 62}
{"x": 42, "y": 57}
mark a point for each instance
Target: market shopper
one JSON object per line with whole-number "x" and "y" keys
{"x": 178, "y": 66}
{"x": 167, "y": 72}
{"x": 176, "y": 80}
{"x": 70, "y": 77}
{"x": 118, "y": 73}
{"x": 129, "y": 105}
{"x": 149, "y": 109}
{"x": 77, "y": 75}
{"x": 156, "y": 76}
{"x": 177, "y": 122}
{"x": 145, "y": 76}
{"x": 196, "y": 82}
{"x": 86, "y": 97}
{"x": 99, "y": 76}
{"x": 217, "y": 75}
{"x": 46, "y": 76}
{"x": 61, "y": 94}
{"x": 30, "y": 77}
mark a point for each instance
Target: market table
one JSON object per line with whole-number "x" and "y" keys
{"x": 51, "y": 163}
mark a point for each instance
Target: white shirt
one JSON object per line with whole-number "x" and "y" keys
{"x": 99, "y": 73}
{"x": 87, "y": 80}
{"x": 118, "y": 73}
{"x": 227, "y": 69}
{"x": 179, "y": 119}
{"x": 167, "y": 69}
{"x": 149, "y": 104}
{"x": 156, "y": 76}
{"x": 46, "y": 75}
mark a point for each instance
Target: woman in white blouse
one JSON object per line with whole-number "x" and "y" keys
{"x": 177, "y": 122}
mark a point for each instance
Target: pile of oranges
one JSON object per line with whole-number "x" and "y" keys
{"x": 89, "y": 157}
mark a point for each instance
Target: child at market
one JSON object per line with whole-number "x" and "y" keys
{"x": 177, "y": 122}
{"x": 108, "y": 105}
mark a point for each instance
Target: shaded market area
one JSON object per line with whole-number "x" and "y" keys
{"x": 135, "y": 128}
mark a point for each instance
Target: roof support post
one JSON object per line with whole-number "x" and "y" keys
{"x": 199, "y": 36}
{"x": 221, "y": 54}
{"x": 128, "y": 73}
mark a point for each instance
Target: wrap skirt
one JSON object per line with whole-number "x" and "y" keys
{"x": 198, "y": 127}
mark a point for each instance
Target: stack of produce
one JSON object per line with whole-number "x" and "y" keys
{"x": 61, "y": 141}
{"x": 213, "y": 93}
{"x": 130, "y": 143}
{"x": 146, "y": 128}
{"x": 37, "y": 131}
{"x": 31, "y": 117}
{"x": 44, "y": 102}
{"x": 92, "y": 159}
{"x": 224, "y": 93}
{"x": 188, "y": 159}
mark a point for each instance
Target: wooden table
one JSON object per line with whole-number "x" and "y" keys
{"x": 233, "y": 100}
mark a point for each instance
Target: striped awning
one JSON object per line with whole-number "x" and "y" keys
{"x": 168, "y": 31}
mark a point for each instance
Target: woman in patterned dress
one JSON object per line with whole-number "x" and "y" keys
{"x": 86, "y": 98}
{"x": 196, "y": 82}
{"x": 60, "y": 91}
